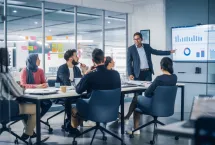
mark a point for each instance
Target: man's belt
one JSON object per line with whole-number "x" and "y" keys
{"x": 145, "y": 69}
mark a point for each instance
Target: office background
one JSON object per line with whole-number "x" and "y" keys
{"x": 109, "y": 25}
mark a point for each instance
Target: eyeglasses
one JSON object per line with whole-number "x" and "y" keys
{"x": 137, "y": 39}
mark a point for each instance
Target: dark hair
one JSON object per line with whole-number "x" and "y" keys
{"x": 167, "y": 65}
{"x": 108, "y": 60}
{"x": 98, "y": 56}
{"x": 69, "y": 53}
{"x": 139, "y": 34}
{"x": 3, "y": 59}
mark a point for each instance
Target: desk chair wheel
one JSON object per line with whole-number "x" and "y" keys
{"x": 152, "y": 142}
{"x": 104, "y": 138}
{"x": 16, "y": 141}
{"x": 50, "y": 130}
{"x": 74, "y": 142}
{"x": 176, "y": 138}
{"x": 131, "y": 135}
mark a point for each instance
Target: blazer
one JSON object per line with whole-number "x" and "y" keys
{"x": 63, "y": 74}
{"x": 133, "y": 59}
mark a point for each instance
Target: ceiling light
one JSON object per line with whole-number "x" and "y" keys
{"x": 14, "y": 11}
{"x": 36, "y": 23}
{"x": 108, "y": 22}
{"x": 50, "y": 30}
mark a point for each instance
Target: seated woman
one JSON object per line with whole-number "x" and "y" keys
{"x": 166, "y": 79}
{"x": 33, "y": 77}
{"x": 9, "y": 98}
{"x": 109, "y": 63}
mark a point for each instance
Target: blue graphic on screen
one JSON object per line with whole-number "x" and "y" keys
{"x": 187, "y": 51}
{"x": 202, "y": 54}
{"x": 194, "y": 38}
{"x": 212, "y": 53}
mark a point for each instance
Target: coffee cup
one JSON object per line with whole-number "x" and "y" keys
{"x": 63, "y": 89}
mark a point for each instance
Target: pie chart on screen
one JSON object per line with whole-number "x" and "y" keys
{"x": 187, "y": 51}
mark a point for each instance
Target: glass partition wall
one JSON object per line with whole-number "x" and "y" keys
{"x": 49, "y": 29}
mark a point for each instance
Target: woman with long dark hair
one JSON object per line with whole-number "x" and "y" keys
{"x": 10, "y": 92}
{"x": 166, "y": 79}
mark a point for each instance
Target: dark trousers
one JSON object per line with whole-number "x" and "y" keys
{"x": 45, "y": 106}
{"x": 145, "y": 75}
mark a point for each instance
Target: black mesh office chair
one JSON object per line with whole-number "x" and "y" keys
{"x": 6, "y": 118}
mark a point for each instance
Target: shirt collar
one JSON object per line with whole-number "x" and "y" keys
{"x": 138, "y": 47}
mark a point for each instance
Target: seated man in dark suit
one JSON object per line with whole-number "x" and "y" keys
{"x": 99, "y": 79}
{"x": 65, "y": 76}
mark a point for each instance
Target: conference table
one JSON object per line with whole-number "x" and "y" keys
{"x": 36, "y": 99}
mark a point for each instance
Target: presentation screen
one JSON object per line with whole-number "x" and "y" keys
{"x": 196, "y": 43}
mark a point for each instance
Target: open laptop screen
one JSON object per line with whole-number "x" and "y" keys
{"x": 203, "y": 107}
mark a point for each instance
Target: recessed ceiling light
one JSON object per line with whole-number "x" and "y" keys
{"x": 108, "y": 22}
{"x": 50, "y": 30}
{"x": 14, "y": 11}
{"x": 35, "y": 22}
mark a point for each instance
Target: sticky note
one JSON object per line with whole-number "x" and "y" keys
{"x": 24, "y": 48}
{"x": 30, "y": 48}
{"x": 54, "y": 45}
{"x": 33, "y": 37}
{"x": 60, "y": 47}
{"x": 60, "y": 55}
{"x": 48, "y": 37}
{"x": 54, "y": 49}
{"x": 35, "y": 47}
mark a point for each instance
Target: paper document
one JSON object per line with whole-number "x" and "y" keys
{"x": 139, "y": 83}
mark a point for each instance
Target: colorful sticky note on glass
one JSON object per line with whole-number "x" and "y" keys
{"x": 33, "y": 37}
{"x": 54, "y": 45}
{"x": 24, "y": 48}
{"x": 48, "y": 37}
{"x": 54, "y": 49}
{"x": 35, "y": 47}
{"x": 49, "y": 58}
{"x": 60, "y": 55}
{"x": 60, "y": 47}
{"x": 30, "y": 48}
{"x": 26, "y": 37}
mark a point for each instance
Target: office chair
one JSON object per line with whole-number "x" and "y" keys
{"x": 101, "y": 107}
{"x": 6, "y": 118}
{"x": 162, "y": 105}
{"x": 51, "y": 83}
{"x": 204, "y": 131}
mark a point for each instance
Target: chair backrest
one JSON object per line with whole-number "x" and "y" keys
{"x": 163, "y": 101}
{"x": 204, "y": 131}
{"x": 51, "y": 82}
{"x": 9, "y": 111}
{"x": 104, "y": 105}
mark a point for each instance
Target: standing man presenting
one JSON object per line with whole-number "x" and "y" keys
{"x": 139, "y": 61}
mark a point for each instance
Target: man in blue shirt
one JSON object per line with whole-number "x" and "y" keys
{"x": 139, "y": 61}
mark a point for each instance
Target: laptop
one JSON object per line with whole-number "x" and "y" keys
{"x": 201, "y": 107}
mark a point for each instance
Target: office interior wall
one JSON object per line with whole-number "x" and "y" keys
{"x": 150, "y": 16}
{"x": 188, "y": 13}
